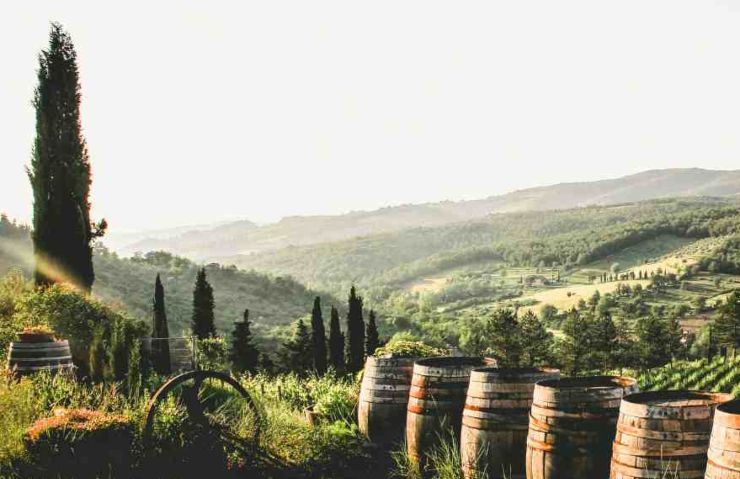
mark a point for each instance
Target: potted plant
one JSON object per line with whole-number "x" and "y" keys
{"x": 36, "y": 334}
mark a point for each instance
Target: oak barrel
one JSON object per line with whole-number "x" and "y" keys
{"x": 493, "y": 438}
{"x": 572, "y": 424}
{"x": 724, "y": 445}
{"x": 384, "y": 397}
{"x": 663, "y": 431}
{"x": 29, "y": 357}
{"x": 436, "y": 401}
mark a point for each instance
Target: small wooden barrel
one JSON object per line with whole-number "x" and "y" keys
{"x": 664, "y": 431}
{"x": 572, "y": 425}
{"x": 27, "y": 358}
{"x": 436, "y": 401}
{"x": 384, "y": 396}
{"x": 724, "y": 446}
{"x": 496, "y": 418}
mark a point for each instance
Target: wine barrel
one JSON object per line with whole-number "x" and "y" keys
{"x": 436, "y": 402}
{"x": 495, "y": 420}
{"x": 384, "y": 397}
{"x": 724, "y": 445}
{"x": 29, "y": 357}
{"x": 572, "y": 425}
{"x": 663, "y": 431}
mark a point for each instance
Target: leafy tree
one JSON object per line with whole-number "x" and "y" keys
{"x": 372, "y": 341}
{"x": 537, "y": 341}
{"x": 355, "y": 332}
{"x": 574, "y": 345}
{"x": 504, "y": 338}
{"x": 297, "y": 355}
{"x": 726, "y": 329}
{"x": 60, "y": 171}
{"x": 624, "y": 353}
{"x": 244, "y": 355}
{"x": 318, "y": 337}
{"x": 336, "y": 341}
{"x": 652, "y": 347}
{"x": 203, "y": 318}
{"x": 160, "y": 330}
{"x": 603, "y": 341}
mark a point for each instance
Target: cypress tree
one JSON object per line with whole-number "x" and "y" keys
{"x": 372, "y": 341}
{"x": 355, "y": 332}
{"x": 296, "y": 352}
{"x": 336, "y": 342}
{"x": 203, "y": 320}
{"x": 160, "y": 330}
{"x": 60, "y": 172}
{"x": 244, "y": 355}
{"x": 318, "y": 337}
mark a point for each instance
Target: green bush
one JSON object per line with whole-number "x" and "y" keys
{"x": 82, "y": 320}
{"x": 213, "y": 353}
{"x": 80, "y": 443}
{"x": 400, "y": 346}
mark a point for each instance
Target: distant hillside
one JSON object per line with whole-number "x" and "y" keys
{"x": 243, "y": 237}
{"x": 563, "y": 237}
{"x": 274, "y": 302}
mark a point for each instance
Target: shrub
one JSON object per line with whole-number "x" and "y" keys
{"x": 80, "y": 443}
{"x": 402, "y": 348}
{"x": 77, "y": 317}
{"x": 213, "y": 353}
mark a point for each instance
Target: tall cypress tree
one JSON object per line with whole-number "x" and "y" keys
{"x": 336, "y": 341}
{"x": 318, "y": 337}
{"x": 244, "y": 355}
{"x": 203, "y": 320}
{"x": 355, "y": 332}
{"x": 160, "y": 347}
{"x": 296, "y": 353}
{"x": 60, "y": 171}
{"x": 372, "y": 341}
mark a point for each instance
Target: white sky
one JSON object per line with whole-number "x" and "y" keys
{"x": 202, "y": 111}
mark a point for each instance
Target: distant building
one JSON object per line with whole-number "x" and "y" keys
{"x": 536, "y": 280}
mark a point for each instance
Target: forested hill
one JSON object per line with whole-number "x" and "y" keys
{"x": 243, "y": 237}
{"x": 564, "y": 237}
{"x": 272, "y": 300}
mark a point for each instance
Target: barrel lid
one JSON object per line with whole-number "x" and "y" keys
{"x": 588, "y": 382}
{"x": 449, "y": 361}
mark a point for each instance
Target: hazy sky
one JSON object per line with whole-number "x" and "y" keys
{"x": 203, "y": 111}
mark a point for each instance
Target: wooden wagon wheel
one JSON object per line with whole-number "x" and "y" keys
{"x": 190, "y": 390}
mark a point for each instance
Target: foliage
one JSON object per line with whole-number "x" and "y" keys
{"x": 727, "y": 323}
{"x": 80, "y": 319}
{"x": 318, "y": 338}
{"x": 160, "y": 330}
{"x": 212, "y": 353}
{"x": 80, "y": 443}
{"x": 60, "y": 171}
{"x": 355, "y": 353}
{"x": 244, "y": 355}
{"x": 203, "y": 319}
{"x": 336, "y": 342}
{"x": 297, "y": 355}
{"x": 372, "y": 341}
{"x": 400, "y": 346}
{"x": 720, "y": 374}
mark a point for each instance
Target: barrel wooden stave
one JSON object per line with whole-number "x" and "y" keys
{"x": 381, "y": 412}
{"x": 496, "y": 420}
{"x": 436, "y": 401}
{"x": 664, "y": 430}
{"x": 571, "y": 426}
{"x": 27, "y": 358}
{"x": 724, "y": 445}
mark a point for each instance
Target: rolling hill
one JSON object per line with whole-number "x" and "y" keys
{"x": 244, "y": 237}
